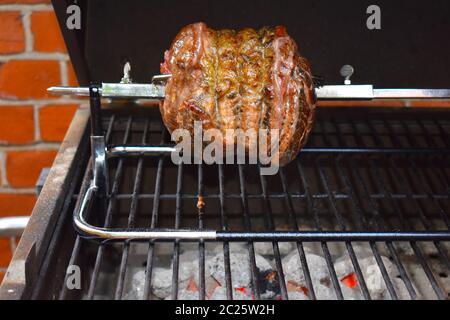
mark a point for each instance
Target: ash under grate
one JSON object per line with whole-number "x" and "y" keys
{"x": 268, "y": 277}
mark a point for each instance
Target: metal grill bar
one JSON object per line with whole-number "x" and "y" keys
{"x": 421, "y": 214}
{"x": 423, "y": 219}
{"x": 294, "y": 195}
{"x": 392, "y": 250}
{"x": 226, "y": 245}
{"x": 342, "y": 227}
{"x": 176, "y": 252}
{"x": 131, "y": 219}
{"x": 391, "y": 194}
{"x": 111, "y": 206}
{"x": 362, "y": 223}
{"x": 151, "y": 151}
{"x": 153, "y": 224}
{"x": 300, "y": 249}
{"x": 414, "y": 246}
{"x": 201, "y": 243}
{"x": 248, "y": 227}
{"x": 269, "y": 223}
{"x": 325, "y": 249}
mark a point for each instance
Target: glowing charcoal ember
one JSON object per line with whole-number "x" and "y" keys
{"x": 192, "y": 285}
{"x": 350, "y": 280}
{"x": 296, "y": 291}
{"x": 371, "y": 272}
{"x": 293, "y": 286}
{"x": 369, "y": 268}
{"x": 268, "y": 283}
{"x": 241, "y": 290}
{"x": 211, "y": 284}
{"x": 267, "y": 277}
{"x": 320, "y": 277}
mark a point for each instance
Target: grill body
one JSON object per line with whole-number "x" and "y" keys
{"x": 368, "y": 171}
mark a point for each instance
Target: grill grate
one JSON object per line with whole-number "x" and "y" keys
{"x": 389, "y": 173}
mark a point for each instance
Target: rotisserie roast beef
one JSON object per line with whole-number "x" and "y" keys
{"x": 247, "y": 79}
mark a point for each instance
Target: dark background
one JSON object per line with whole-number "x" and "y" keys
{"x": 411, "y": 50}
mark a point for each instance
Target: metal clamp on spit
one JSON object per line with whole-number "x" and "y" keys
{"x": 99, "y": 186}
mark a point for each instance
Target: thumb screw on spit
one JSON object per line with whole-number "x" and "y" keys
{"x": 347, "y": 71}
{"x": 126, "y": 73}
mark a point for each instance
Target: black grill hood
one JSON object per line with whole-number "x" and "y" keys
{"x": 411, "y": 49}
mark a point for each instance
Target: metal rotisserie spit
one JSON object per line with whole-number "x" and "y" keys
{"x": 360, "y": 213}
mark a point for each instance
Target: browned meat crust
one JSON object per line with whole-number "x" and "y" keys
{"x": 239, "y": 80}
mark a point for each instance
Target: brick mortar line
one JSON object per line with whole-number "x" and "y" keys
{"x": 4, "y": 181}
{"x": 26, "y": 22}
{"x": 63, "y": 73}
{"x": 33, "y": 55}
{"x": 37, "y": 121}
{"x": 36, "y": 146}
{"x": 24, "y": 7}
{"x": 13, "y": 190}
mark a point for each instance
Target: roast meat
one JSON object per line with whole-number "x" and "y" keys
{"x": 247, "y": 79}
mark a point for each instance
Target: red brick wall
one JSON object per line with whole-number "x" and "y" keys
{"x": 32, "y": 123}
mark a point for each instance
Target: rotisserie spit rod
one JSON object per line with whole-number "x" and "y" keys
{"x": 326, "y": 92}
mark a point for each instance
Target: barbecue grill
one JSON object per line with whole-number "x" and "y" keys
{"x": 366, "y": 202}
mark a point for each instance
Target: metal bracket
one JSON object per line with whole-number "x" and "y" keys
{"x": 95, "y": 108}
{"x": 98, "y": 150}
{"x": 100, "y": 165}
